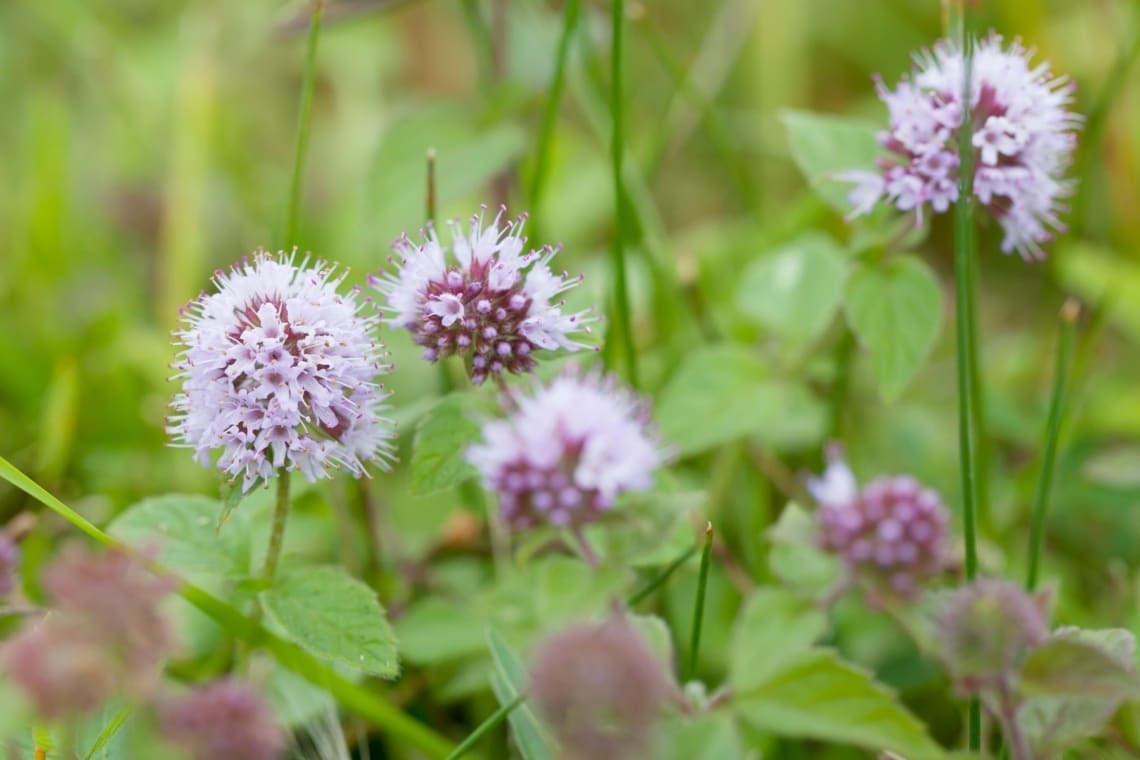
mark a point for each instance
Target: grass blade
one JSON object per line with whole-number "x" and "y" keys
{"x": 699, "y": 605}
{"x": 304, "y": 115}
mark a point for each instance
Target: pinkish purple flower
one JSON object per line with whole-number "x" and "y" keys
{"x": 567, "y": 451}
{"x": 105, "y": 634}
{"x": 279, "y": 370}
{"x": 891, "y": 533}
{"x": 1022, "y": 136}
{"x": 492, "y": 302}
{"x": 9, "y": 562}
{"x": 600, "y": 689}
{"x": 225, "y": 719}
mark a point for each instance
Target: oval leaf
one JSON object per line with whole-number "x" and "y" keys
{"x": 774, "y": 625}
{"x": 185, "y": 530}
{"x": 440, "y": 445}
{"x": 823, "y": 146}
{"x": 336, "y": 617}
{"x": 895, "y": 309}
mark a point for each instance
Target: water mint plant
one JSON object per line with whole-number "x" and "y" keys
{"x": 599, "y": 553}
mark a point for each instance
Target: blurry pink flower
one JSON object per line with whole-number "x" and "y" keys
{"x": 568, "y": 450}
{"x": 223, "y": 720}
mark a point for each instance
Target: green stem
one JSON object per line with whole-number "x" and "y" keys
{"x": 663, "y": 576}
{"x": 353, "y": 696}
{"x": 303, "y": 118}
{"x": 1069, "y": 313}
{"x": 965, "y": 301}
{"x": 277, "y": 531}
{"x": 496, "y": 718}
{"x": 622, "y": 319}
{"x": 699, "y": 605}
{"x": 550, "y": 113}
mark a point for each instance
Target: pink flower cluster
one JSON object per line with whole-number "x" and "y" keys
{"x": 891, "y": 533}
{"x": 1020, "y": 131}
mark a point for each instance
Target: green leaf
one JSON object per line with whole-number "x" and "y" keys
{"x": 440, "y": 445}
{"x": 1072, "y": 664}
{"x": 508, "y": 680}
{"x": 818, "y": 696}
{"x": 707, "y": 736}
{"x": 824, "y": 146}
{"x": 334, "y": 616}
{"x": 722, "y": 392}
{"x": 795, "y": 557}
{"x": 895, "y": 309}
{"x": 774, "y": 626}
{"x": 435, "y": 630}
{"x": 796, "y": 290}
{"x": 184, "y": 528}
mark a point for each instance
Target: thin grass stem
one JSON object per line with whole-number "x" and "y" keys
{"x": 570, "y": 14}
{"x": 699, "y": 606}
{"x": 1069, "y": 313}
{"x": 304, "y": 114}
{"x": 661, "y": 577}
{"x": 621, "y": 322}
{"x": 495, "y": 719}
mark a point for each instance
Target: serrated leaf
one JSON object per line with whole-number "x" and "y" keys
{"x": 705, "y": 736}
{"x": 440, "y": 445}
{"x": 795, "y": 290}
{"x": 184, "y": 528}
{"x": 721, "y": 393}
{"x": 1072, "y": 665}
{"x": 818, "y": 696}
{"x": 895, "y": 310}
{"x": 823, "y": 146}
{"x": 508, "y": 680}
{"x": 334, "y": 616}
{"x": 774, "y": 626}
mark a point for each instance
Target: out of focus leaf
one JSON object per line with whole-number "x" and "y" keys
{"x": 436, "y": 630}
{"x": 818, "y": 696}
{"x": 508, "y": 680}
{"x": 895, "y": 309}
{"x": 823, "y": 146}
{"x": 440, "y": 446}
{"x": 721, "y": 393}
{"x": 795, "y": 557}
{"x": 796, "y": 290}
{"x": 336, "y": 617}
{"x": 774, "y": 626}
{"x": 1072, "y": 664}
{"x": 705, "y": 736}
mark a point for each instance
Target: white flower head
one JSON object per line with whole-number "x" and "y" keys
{"x": 1020, "y": 131}
{"x": 492, "y": 301}
{"x": 279, "y": 370}
{"x": 567, "y": 451}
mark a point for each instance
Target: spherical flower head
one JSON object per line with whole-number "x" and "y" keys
{"x": 492, "y": 302}
{"x": 223, "y": 719}
{"x": 891, "y": 534}
{"x": 600, "y": 690}
{"x": 986, "y": 629}
{"x": 279, "y": 370}
{"x": 567, "y": 451}
{"x": 105, "y": 634}
{"x": 1021, "y": 134}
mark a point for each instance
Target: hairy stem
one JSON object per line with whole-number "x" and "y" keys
{"x": 277, "y": 531}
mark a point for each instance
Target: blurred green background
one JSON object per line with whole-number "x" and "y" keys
{"x": 146, "y": 144}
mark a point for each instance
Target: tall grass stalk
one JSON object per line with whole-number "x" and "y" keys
{"x": 495, "y": 719}
{"x": 304, "y": 114}
{"x": 699, "y": 606}
{"x": 965, "y": 301}
{"x": 621, "y": 326}
{"x": 570, "y": 16}
{"x": 1069, "y": 313}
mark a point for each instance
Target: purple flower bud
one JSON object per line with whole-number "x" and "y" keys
{"x": 578, "y": 442}
{"x": 223, "y": 719}
{"x": 494, "y": 292}
{"x": 986, "y": 629}
{"x": 600, "y": 689}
